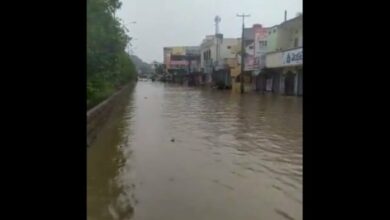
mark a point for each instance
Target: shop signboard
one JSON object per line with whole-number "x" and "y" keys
{"x": 292, "y": 57}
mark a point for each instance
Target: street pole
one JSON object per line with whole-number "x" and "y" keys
{"x": 242, "y": 51}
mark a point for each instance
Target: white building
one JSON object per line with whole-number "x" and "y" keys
{"x": 214, "y": 51}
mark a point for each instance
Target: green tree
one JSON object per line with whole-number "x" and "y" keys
{"x": 108, "y": 65}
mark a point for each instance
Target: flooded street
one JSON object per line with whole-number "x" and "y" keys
{"x": 177, "y": 153}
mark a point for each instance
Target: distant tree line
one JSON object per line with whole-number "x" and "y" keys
{"x": 108, "y": 65}
{"x": 159, "y": 68}
{"x": 142, "y": 66}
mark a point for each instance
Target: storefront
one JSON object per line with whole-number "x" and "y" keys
{"x": 284, "y": 72}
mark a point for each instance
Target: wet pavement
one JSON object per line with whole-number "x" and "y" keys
{"x": 172, "y": 153}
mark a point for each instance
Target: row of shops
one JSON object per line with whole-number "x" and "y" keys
{"x": 273, "y": 60}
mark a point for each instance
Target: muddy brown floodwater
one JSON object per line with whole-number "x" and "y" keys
{"x": 176, "y": 153}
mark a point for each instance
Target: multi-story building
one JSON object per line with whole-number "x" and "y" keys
{"x": 272, "y": 62}
{"x": 214, "y": 53}
{"x": 178, "y": 58}
{"x": 284, "y": 58}
{"x": 272, "y": 38}
{"x": 255, "y": 43}
{"x": 181, "y": 61}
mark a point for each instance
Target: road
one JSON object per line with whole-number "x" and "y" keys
{"x": 170, "y": 152}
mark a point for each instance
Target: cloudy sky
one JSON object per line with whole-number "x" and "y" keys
{"x": 161, "y": 23}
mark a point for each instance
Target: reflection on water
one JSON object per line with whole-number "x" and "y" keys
{"x": 109, "y": 196}
{"x": 234, "y": 157}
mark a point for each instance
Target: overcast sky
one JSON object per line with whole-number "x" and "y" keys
{"x": 162, "y": 23}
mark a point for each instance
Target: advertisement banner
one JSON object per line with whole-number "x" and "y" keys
{"x": 178, "y": 62}
{"x": 292, "y": 57}
{"x": 178, "y": 51}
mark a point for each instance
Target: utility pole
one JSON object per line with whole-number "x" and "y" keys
{"x": 217, "y": 20}
{"x": 242, "y": 51}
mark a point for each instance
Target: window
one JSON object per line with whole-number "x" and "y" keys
{"x": 296, "y": 42}
{"x": 263, "y": 43}
{"x": 269, "y": 32}
{"x": 229, "y": 47}
{"x": 274, "y": 30}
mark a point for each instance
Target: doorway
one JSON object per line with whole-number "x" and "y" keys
{"x": 289, "y": 83}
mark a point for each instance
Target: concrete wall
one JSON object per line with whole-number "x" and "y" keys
{"x": 227, "y": 46}
{"x": 96, "y": 117}
{"x": 206, "y": 63}
{"x": 208, "y": 44}
{"x": 272, "y": 39}
{"x": 287, "y": 33}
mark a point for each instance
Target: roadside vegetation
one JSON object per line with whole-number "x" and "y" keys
{"x": 109, "y": 66}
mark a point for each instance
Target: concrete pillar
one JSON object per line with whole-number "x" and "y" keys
{"x": 300, "y": 87}
{"x": 276, "y": 82}
{"x": 262, "y": 82}
{"x": 296, "y": 83}
{"x": 281, "y": 84}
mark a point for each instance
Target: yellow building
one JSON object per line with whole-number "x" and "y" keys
{"x": 235, "y": 71}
